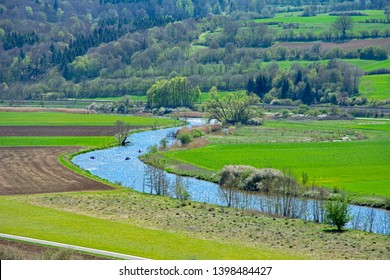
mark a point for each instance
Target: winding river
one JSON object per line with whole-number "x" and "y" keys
{"x": 121, "y": 165}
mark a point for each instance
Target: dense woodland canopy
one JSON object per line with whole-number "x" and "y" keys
{"x": 98, "y": 48}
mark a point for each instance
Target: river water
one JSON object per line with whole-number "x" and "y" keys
{"x": 121, "y": 165}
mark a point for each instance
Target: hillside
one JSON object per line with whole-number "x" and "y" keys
{"x": 55, "y": 49}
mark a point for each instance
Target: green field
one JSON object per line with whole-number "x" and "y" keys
{"x": 54, "y": 118}
{"x": 95, "y": 141}
{"x": 359, "y": 166}
{"x": 321, "y": 22}
{"x": 375, "y": 86}
{"x": 45, "y": 223}
{"x": 365, "y": 65}
{"x": 369, "y": 65}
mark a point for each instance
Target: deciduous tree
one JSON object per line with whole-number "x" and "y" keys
{"x": 343, "y": 24}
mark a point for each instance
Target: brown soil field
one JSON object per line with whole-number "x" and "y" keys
{"x": 345, "y": 45}
{"x": 57, "y": 130}
{"x": 27, "y": 170}
{"x": 33, "y": 109}
{"x": 14, "y": 250}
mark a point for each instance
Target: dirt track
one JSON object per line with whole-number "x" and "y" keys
{"x": 26, "y": 170}
{"x": 57, "y": 130}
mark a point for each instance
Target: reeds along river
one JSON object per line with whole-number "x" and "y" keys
{"x": 121, "y": 165}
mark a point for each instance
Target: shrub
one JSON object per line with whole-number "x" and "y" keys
{"x": 260, "y": 179}
{"x": 337, "y": 212}
{"x": 248, "y": 178}
{"x": 255, "y": 121}
{"x": 185, "y": 138}
{"x": 303, "y": 109}
{"x": 196, "y": 133}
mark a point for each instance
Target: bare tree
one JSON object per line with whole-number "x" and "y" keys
{"x": 156, "y": 181}
{"x": 122, "y": 131}
{"x": 230, "y": 195}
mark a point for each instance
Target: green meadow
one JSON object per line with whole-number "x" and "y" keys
{"x": 361, "y": 167}
{"x": 375, "y": 86}
{"x": 365, "y": 65}
{"x": 321, "y": 22}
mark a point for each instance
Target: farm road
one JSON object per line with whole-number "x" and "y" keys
{"x": 72, "y": 247}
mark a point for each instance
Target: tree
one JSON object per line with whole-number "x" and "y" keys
{"x": 337, "y": 212}
{"x": 231, "y": 109}
{"x": 181, "y": 190}
{"x": 164, "y": 142}
{"x": 122, "y": 131}
{"x": 172, "y": 93}
{"x": 307, "y": 97}
{"x": 343, "y": 24}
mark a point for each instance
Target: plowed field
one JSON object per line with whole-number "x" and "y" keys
{"x": 57, "y": 130}
{"x": 26, "y": 170}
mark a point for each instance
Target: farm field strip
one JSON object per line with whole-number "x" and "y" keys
{"x": 365, "y": 65}
{"x": 375, "y": 86}
{"x": 57, "y": 131}
{"x": 64, "y": 119}
{"x": 321, "y": 22}
{"x": 43, "y": 141}
{"x": 25, "y": 170}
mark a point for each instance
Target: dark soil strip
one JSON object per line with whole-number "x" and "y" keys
{"x": 13, "y": 250}
{"x": 27, "y": 170}
{"x": 57, "y": 130}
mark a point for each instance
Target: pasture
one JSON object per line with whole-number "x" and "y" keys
{"x": 365, "y": 65}
{"x": 360, "y": 167}
{"x": 375, "y": 86}
{"x": 321, "y": 22}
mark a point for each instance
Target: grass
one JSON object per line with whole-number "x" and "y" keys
{"x": 360, "y": 167}
{"x": 21, "y": 218}
{"x": 322, "y": 22}
{"x": 375, "y": 86}
{"x": 369, "y": 65}
{"x": 95, "y": 141}
{"x": 64, "y": 119}
{"x": 365, "y": 65}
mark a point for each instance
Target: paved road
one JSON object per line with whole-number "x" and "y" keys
{"x": 72, "y": 247}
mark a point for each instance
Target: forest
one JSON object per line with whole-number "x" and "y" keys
{"x": 54, "y": 49}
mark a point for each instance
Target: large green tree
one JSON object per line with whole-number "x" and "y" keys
{"x": 232, "y": 108}
{"x": 172, "y": 93}
{"x": 342, "y": 25}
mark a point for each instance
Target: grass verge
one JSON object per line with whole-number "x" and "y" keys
{"x": 24, "y": 219}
